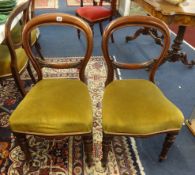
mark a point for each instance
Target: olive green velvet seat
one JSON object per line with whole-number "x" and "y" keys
{"x": 13, "y": 59}
{"x": 138, "y": 107}
{"x": 65, "y": 109}
{"x": 6, "y": 59}
{"x": 16, "y": 34}
{"x": 61, "y": 106}
{"x": 20, "y": 53}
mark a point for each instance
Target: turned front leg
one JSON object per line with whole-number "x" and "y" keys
{"x": 88, "y": 148}
{"x": 106, "y": 145}
{"x": 169, "y": 140}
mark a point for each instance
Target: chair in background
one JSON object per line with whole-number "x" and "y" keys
{"x": 13, "y": 57}
{"x": 16, "y": 32}
{"x": 55, "y": 108}
{"x": 96, "y": 14}
{"x": 137, "y": 107}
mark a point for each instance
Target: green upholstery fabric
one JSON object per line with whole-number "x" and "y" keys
{"x": 5, "y": 60}
{"x": 138, "y": 107}
{"x": 16, "y": 34}
{"x": 54, "y": 107}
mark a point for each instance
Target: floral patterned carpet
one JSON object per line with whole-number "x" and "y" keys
{"x": 65, "y": 157}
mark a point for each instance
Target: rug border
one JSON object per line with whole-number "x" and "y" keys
{"x": 56, "y": 6}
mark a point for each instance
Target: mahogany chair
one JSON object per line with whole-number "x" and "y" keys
{"x": 96, "y": 14}
{"x": 16, "y": 32}
{"x": 137, "y": 107}
{"x": 13, "y": 57}
{"x": 55, "y": 107}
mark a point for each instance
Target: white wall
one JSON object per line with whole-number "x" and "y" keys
{"x": 124, "y": 7}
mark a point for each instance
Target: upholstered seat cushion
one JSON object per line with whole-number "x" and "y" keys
{"x": 16, "y": 34}
{"x": 94, "y": 13}
{"x": 5, "y": 60}
{"x": 54, "y": 107}
{"x": 138, "y": 107}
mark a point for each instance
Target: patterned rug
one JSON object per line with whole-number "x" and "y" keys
{"x": 77, "y": 2}
{"x": 65, "y": 157}
{"x": 43, "y": 4}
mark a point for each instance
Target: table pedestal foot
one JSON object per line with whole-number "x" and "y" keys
{"x": 175, "y": 53}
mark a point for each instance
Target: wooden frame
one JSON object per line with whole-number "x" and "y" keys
{"x": 66, "y": 20}
{"x": 141, "y": 21}
{"x": 191, "y": 125}
{"x": 22, "y": 8}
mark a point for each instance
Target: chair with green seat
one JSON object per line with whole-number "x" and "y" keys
{"x": 16, "y": 32}
{"x": 55, "y": 107}
{"x": 13, "y": 59}
{"x": 137, "y": 107}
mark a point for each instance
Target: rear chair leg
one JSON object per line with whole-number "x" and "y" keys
{"x": 30, "y": 73}
{"x": 106, "y": 147}
{"x": 101, "y": 28}
{"x": 88, "y": 148}
{"x": 22, "y": 142}
{"x": 169, "y": 140}
{"x": 18, "y": 81}
{"x": 38, "y": 49}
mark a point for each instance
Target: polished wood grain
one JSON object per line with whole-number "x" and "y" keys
{"x": 63, "y": 20}
{"x": 12, "y": 46}
{"x": 182, "y": 14}
{"x": 112, "y": 65}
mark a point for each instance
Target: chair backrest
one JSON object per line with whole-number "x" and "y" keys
{"x": 64, "y": 20}
{"x": 140, "y": 21}
{"x": 23, "y": 10}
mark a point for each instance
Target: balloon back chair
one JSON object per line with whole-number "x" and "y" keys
{"x": 96, "y": 13}
{"x": 55, "y": 108}
{"x": 13, "y": 58}
{"x": 137, "y": 107}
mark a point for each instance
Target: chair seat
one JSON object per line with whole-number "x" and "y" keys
{"x": 64, "y": 108}
{"x": 5, "y": 60}
{"x": 94, "y": 13}
{"x": 138, "y": 107}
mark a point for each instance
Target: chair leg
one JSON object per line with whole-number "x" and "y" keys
{"x": 88, "y": 148}
{"x": 169, "y": 140}
{"x": 22, "y": 142}
{"x": 91, "y": 25}
{"x": 78, "y": 31}
{"x": 18, "y": 81}
{"x": 101, "y": 28}
{"x": 30, "y": 73}
{"x": 106, "y": 146}
{"x": 38, "y": 50}
{"x": 79, "y": 34}
{"x": 112, "y": 38}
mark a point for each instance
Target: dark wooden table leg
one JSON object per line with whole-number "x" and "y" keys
{"x": 175, "y": 53}
{"x": 140, "y": 31}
